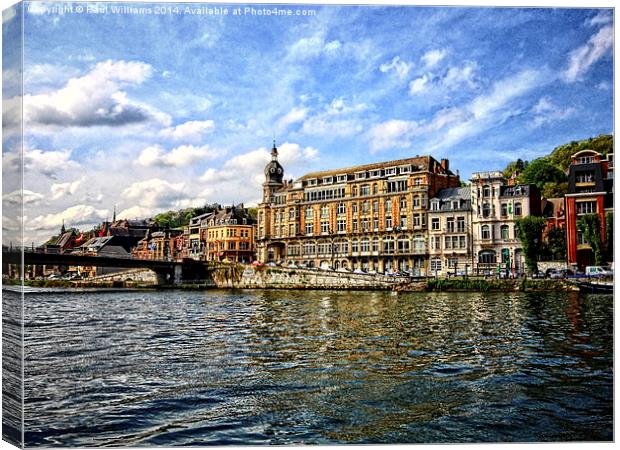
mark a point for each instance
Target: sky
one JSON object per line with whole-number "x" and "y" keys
{"x": 152, "y": 112}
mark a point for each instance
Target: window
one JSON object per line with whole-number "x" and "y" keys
{"x": 434, "y": 204}
{"x": 354, "y": 208}
{"x": 448, "y": 242}
{"x": 365, "y": 245}
{"x": 486, "y": 191}
{"x": 517, "y": 209}
{"x": 291, "y": 230}
{"x": 416, "y": 221}
{"x": 486, "y": 210}
{"x": 403, "y": 203}
{"x": 486, "y": 232}
{"x": 388, "y": 245}
{"x": 324, "y": 211}
{"x": 487, "y": 257}
{"x": 355, "y": 225}
{"x": 375, "y": 244}
{"x": 375, "y": 223}
{"x": 436, "y": 243}
{"x": 452, "y": 263}
{"x": 397, "y": 186}
{"x": 325, "y": 227}
{"x": 375, "y": 206}
{"x": 450, "y": 224}
{"x": 435, "y": 264}
{"x": 388, "y": 222}
{"x": 585, "y": 177}
{"x": 455, "y": 204}
{"x": 309, "y": 213}
{"x": 585, "y": 160}
{"x": 365, "y": 207}
{"x": 232, "y": 246}
{"x": 586, "y": 207}
{"x": 580, "y": 238}
{"x": 403, "y": 245}
{"x": 403, "y": 221}
{"x": 365, "y": 225}
{"x": 505, "y": 232}
{"x": 342, "y": 225}
{"x": 388, "y": 206}
{"x": 309, "y": 249}
{"x": 435, "y": 224}
{"x": 309, "y": 227}
{"x": 504, "y": 210}
{"x": 354, "y": 193}
{"x": 375, "y": 189}
{"x": 461, "y": 241}
{"x": 460, "y": 224}
{"x": 365, "y": 189}
{"x": 325, "y": 248}
{"x": 354, "y": 246}
{"x": 342, "y": 209}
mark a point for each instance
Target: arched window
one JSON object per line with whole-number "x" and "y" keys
{"x": 486, "y": 210}
{"x": 365, "y": 245}
{"x": 354, "y": 246}
{"x": 505, "y": 232}
{"x": 485, "y": 232}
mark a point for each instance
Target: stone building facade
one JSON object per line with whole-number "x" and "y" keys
{"x": 450, "y": 234}
{"x": 372, "y": 217}
{"x": 229, "y": 235}
{"x": 495, "y": 208}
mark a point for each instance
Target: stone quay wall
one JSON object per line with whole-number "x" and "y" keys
{"x": 250, "y": 277}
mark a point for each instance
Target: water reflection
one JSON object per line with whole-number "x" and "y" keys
{"x": 226, "y": 367}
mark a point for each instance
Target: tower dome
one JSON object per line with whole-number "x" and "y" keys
{"x": 274, "y": 172}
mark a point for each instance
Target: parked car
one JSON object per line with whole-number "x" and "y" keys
{"x": 554, "y": 273}
{"x": 538, "y": 274}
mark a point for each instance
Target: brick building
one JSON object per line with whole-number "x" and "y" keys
{"x": 371, "y": 217}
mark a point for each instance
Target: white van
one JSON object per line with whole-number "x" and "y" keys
{"x": 596, "y": 271}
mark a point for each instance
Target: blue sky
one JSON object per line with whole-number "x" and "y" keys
{"x": 156, "y": 112}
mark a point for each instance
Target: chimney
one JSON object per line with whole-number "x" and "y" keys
{"x": 445, "y": 164}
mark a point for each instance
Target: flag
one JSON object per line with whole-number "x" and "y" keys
{"x": 80, "y": 238}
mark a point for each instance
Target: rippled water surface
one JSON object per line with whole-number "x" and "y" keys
{"x": 284, "y": 367}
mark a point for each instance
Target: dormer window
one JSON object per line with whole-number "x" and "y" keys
{"x": 312, "y": 182}
{"x": 341, "y": 178}
{"x": 327, "y": 180}
{"x": 434, "y": 206}
{"x": 405, "y": 169}
{"x": 390, "y": 171}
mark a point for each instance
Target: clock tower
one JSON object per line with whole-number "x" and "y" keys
{"x": 274, "y": 174}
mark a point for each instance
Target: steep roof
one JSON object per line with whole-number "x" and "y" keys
{"x": 463, "y": 193}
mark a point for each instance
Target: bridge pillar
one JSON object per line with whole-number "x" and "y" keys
{"x": 178, "y": 274}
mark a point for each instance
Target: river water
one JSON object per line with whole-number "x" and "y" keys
{"x": 292, "y": 367}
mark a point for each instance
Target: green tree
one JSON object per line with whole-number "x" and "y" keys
{"x": 556, "y": 243}
{"x": 609, "y": 235}
{"x": 530, "y": 231}
{"x": 561, "y": 156}
{"x": 540, "y": 172}
{"x": 590, "y": 226}
{"x": 517, "y": 166}
{"x": 554, "y": 190}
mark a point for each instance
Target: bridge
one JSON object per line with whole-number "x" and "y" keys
{"x": 168, "y": 272}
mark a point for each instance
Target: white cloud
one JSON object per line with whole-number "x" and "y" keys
{"x": 582, "y": 58}
{"x": 192, "y": 130}
{"x": 180, "y": 156}
{"x": 545, "y": 111}
{"x": 107, "y": 105}
{"x": 433, "y": 57}
{"x": 295, "y": 115}
{"x": 155, "y": 195}
{"x": 336, "y": 119}
{"x": 8, "y": 14}
{"x": 451, "y": 125}
{"x": 60, "y": 190}
{"x": 398, "y": 66}
{"x": 457, "y": 77}
{"x": 75, "y": 216}
{"x": 391, "y": 134}
{"x": 16, "y": 198}
{"x": 47, "y": 163}
{"x": 239, "y": 179}
{"x": 419, "y": 85}
{"x": 604, "y": 86}
{"x": 602, "y": 18}
{"x": 44, "y": 75}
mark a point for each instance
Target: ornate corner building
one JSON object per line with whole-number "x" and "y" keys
{"x": 369, "y": 217}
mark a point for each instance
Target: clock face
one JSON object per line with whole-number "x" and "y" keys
{"x": 279, "y": 170}
{"x": 272, "y": 170}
